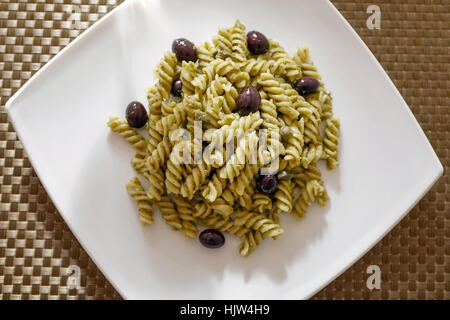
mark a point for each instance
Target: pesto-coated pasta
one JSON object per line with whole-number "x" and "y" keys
{"x": 261, "y": 203}
{"x": 137, "y": 193}
{"x": 210, "y": 137}
{"x": 291, "y": 70}
{"x": 258, "y": 222}
{"x": 249, "y": 242}
{"x": 331, "y": 142}
{"x": 166, "y": 74}
{"x": 206, "y": 53}
{"x": 283, "y": 196}
{"x": 169, "y": 213}
{"x": 123, "y": 129}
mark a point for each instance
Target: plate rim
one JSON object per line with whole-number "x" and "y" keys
{"x": 436, "y": 168}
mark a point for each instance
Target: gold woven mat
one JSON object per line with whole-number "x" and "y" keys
{"x": 36, "y": 247}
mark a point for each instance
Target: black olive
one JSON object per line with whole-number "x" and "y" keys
{"x": 267, "y": 183}
{"x": 211, "y": 238}
{"x": 177, "y": 87}
{"x": 248, "y": 101}
{"x": 306, "y": 85}
{"x": 257, "y": 43}
{"x": 184, "y": 50}
{"x": 136, "y": 114}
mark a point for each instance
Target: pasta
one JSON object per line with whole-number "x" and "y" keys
{"x": 188, "y": 73}
{"x": 250, "y": 241}
{"x": 206, "y": 53}
{"x": 273, "y": 89}
{"x": 166, "y": 74}
{"x": 169, "y": 213}
{"x": 205, "y": 156}
{"x": 144, "y": 204}
{"x": 186, "y": 213}
{"x": 258, "y": 222}
{"x": 261, "y": 202}
{"x": 283, "y": 197}
{"x": 132, "y": 136}
{"x": 239, "y": 42}
{"x": 312, "y": 190}
{"x": 291, "y": 70}
{"x": 331, "y": 142}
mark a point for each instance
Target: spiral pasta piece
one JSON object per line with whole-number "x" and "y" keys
{"x": 206, "y": 53}
{"x": 186, "y": 214}
{"x": 223, "y": 43}
{"x": 202, "y": 210}
{"x": 194, "y": 181}
{"x": 193, "y": 105}
{"x": 154, "y": 137}
{"x": 227, "y": 119}
{"x": 291, "y": 70}
{"x": 167, "y": 107}
{"x": 324, "y": 98}
{"x": 258, "y": 222}
{"x": 222, "y": 208}
{"x": 246, "y": 200}
{"x": 301, "y": 175}
{"x": 312, "y": 131}
{"x": 188, "y": 73}
{"x": 154, "y": 101}
{"x": 225, "y": 68}
{"x": 302, "y": 59}
{"x": 239, "y": 42}
{"x": 298, "y": 102}
{"x": 311, "y": 154}
{"x": 137, "y": 193}
{"x": 213, "y": 109}
{"x": 169, "y": 213}
{"x": 156, "y": 179}
{"x": 283, "y": 196}
{"x": 172, "y": 120}
{"x": 254, "y": 67}
{"x": 312, "y": 190}
{"x": 322, "y": 198}
{"x": 227, "y": 132}
{"x": 269, "y": 115}
{"x": 273, "y": 89}
{"x": 122, "y": 128}
{"x": 166, "y": 74}
{"x": 261, "y": 203}
{"x": 301, "y": 55}
{"x": 273, "y": 216}
{"x": 295, "y": 143}
{"x": 238, "y": 186}
{"x": 230, "y": 94}
{"x": 249, "y": 242}
{"x": 270, "y": 143}
{"x": 309, "y": 70}
{"x": 244, "y": 151}
{"x": 219, "y": 223}
{"x": 174, "y": 171}
{"x": 138, "y": 161}
{"x": 159, "y": 155}
{"x": 331, "y": 142}
{"x": 214, "y": 188}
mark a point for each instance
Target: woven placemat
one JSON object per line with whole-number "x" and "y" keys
{"x": 36, "y": 246}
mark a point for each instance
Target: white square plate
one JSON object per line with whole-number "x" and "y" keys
{"x": 60, "y": 115}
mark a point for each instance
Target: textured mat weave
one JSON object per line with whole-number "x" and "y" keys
{"x": 36, "y": 247}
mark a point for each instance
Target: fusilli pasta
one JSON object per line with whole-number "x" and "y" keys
{"x": 203, "y": 151}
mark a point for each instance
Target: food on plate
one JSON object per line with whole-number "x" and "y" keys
{"x": 231, "y": 139}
